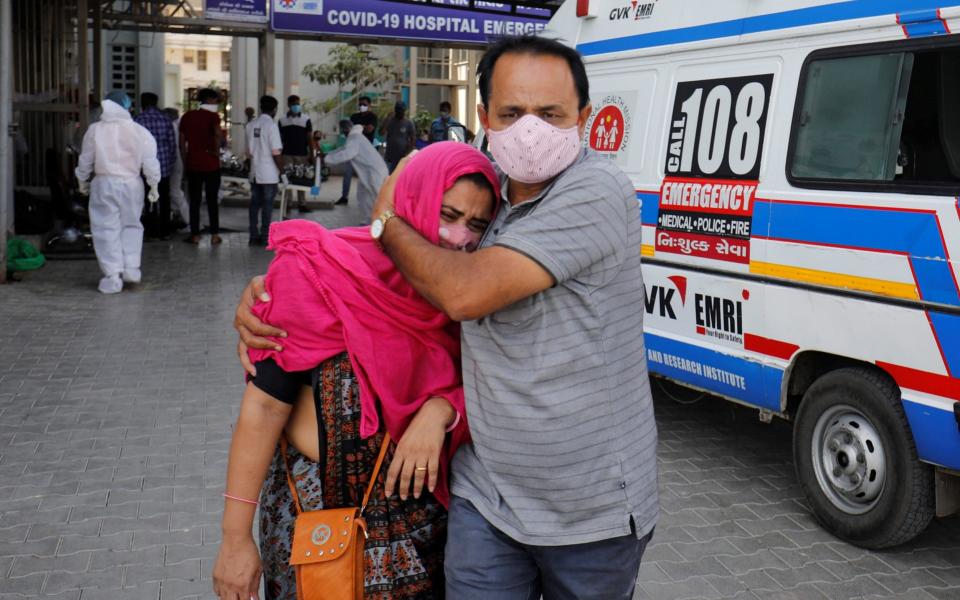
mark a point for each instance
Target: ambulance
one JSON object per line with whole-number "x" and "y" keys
{"x": 798, "y": 168}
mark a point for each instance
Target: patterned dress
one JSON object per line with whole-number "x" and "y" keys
{"x": 404, "y": 553}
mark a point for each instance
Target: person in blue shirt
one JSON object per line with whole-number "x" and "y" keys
{"x": 442, "y": 124}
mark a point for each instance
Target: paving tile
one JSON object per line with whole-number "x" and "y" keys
{"x": 144, "y": 591}
{"x": 78, "y": 543}
{"x": 697, "y": 550}
{"x": 106, "y": 579}
{"x": 866, "y": 565}
{"x": 767, "y": 541}
{"x": 792, "y": 577}
{"x": 694, "y": 587}
{"x": 951, "y": 576}
{"x": 765, "y": 559}
{"x": 902, "y": 582}
{"x": 678, "y": 571}
{"x": 856, "y": 587}
{"x": 29, "y": 565}
{"x": 756, "y": 581}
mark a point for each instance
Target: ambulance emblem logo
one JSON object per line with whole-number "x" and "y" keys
{"x": 608, "y": 129}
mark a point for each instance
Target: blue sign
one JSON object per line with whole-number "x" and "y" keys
{"x": 399, "y": 21}
{"x": 236, "y": 10}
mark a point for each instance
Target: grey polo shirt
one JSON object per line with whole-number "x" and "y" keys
{"x": 558, "y": 396}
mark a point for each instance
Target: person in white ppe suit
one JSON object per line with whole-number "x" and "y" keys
{"x": 368, "y": 165}
{"x": 115, "y": 149}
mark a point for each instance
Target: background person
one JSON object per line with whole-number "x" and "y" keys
{"x": 265, "y": 146}
{"x": 200, "y": 139}
{"x": 440, "y": 128}
{"x": 299, "y": 147}
{"x": 368, "y": 119}
{"x": 400, "y": 134}
{"x": 179, "y": 208}
{"x": 159, "y": 125}
{"x": 365, "y": 162}
{"x": 115, "y": 150}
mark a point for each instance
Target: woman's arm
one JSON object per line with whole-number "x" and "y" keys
{"x": 420, "y": 446}
{"x": 261, "y": 421}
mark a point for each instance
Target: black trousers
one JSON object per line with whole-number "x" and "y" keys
{"x": 199, "y": 182}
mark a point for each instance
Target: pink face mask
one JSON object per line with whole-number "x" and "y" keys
{"x": 459, "y": 237}
{"x": 532, "y": 150}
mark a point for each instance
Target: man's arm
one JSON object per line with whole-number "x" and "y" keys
{"x": 465, "y": 286}
{"x": 311, "y": 143}
{"x": 345, "y": 153}
{"x": 182, "y": 140}
{"x": 276, "y": 146}
{"x": 217, "y": 137}
{"x": 149, "y": 161}
{"x": 412, "y": 137}
{"x": 87, "y": 152}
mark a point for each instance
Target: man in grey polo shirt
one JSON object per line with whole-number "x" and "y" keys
{"x": 557, "y": 494}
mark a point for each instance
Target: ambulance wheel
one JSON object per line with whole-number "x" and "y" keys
{"x": 857, "y": 463}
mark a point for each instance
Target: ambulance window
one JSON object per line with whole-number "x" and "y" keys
{"x": 851, "y": 117}
{"x": 880, "y": 120}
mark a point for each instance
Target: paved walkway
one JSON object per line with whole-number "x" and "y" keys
{"x": 116, "y": 412}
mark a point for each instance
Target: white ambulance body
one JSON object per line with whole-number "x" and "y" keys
{"x": 798, "y": 165}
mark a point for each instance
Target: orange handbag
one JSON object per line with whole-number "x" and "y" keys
{"x": 327, "y": 550}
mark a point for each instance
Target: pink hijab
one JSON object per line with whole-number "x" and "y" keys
{"x": 336, "y": 290}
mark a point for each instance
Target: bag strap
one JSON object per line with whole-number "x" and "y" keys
{"x": 376, "y": 471}
{"x": 373, "y": 477}
{"x": 286, "y": 467}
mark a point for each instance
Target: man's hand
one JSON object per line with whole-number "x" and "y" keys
{"x": 83, "y": 188}
{"x": 253, "y": 332}
{"x": 153, "y": 195}
{"x": 385, "y": 196}
{"x": 417, "y": 457}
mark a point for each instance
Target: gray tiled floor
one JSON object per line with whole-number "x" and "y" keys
{"x": 115, "y": 415}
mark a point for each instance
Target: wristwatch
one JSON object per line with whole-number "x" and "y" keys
{"x": 378, "y": 226}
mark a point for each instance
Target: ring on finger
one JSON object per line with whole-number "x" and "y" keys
{"x": 420, "y": 469}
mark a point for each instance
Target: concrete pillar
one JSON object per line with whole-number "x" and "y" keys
{"x": 267, "y": 62}
{"x": 97, "y": 51}
{"x": 238, "y": 96}
{"x": 6, "y": 142}
{"x": 414, "y": 78}
{"x": 471, "y": 107}
{"x": 291, "y": 69}
{"x": 83, "y": 56}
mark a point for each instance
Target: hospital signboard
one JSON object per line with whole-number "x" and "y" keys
{"x": 236, "y": 10}
{"x": 396, "y": 20}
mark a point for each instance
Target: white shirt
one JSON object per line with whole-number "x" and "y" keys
{"x": 263, "y": 143}
{"x": 116, "y": 146}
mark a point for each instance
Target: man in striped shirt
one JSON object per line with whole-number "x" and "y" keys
{"x": 557, "y": 495}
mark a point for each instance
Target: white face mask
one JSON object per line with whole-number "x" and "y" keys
{"x": 211, "y": 107}
{"x": 364, "y": 108}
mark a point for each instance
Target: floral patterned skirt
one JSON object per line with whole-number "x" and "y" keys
{"x": 404, "y": 553}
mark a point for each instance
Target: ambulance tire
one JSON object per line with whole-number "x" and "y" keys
{"x": 867, "y": 401}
